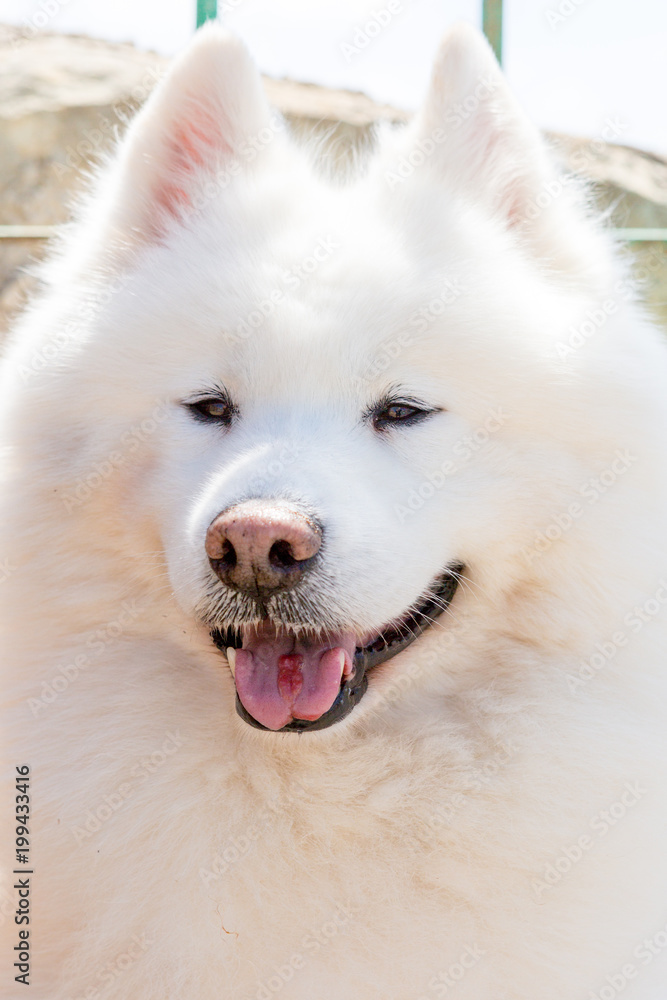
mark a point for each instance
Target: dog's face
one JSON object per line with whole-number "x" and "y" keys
{"x": 352, "y": 380}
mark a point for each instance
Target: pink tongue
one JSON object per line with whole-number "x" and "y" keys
{"x": 280, "y": 678}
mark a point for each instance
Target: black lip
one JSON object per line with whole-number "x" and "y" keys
{"x": 390, "y": 643}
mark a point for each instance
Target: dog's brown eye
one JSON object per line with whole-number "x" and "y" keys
{"x": 216, "y": 409}
{"x": 398, "y": 413}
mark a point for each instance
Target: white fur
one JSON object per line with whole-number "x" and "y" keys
{"x": 379, "y": 850}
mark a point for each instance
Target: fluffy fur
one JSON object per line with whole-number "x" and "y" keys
{"x": 489, "y": 822}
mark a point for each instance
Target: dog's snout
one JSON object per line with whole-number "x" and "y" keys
{"x": 261, "y": 547}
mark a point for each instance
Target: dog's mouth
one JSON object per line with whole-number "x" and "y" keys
{"x": 289, "y": 682}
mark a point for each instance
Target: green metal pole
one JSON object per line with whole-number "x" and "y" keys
{"x": 207, "y": 10}
{"x": 492, "y": 23}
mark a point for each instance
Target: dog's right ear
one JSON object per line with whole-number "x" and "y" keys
{"x": 472, "y": 137}
{"x": 194, "y": 133}
{"x": 472, "y": 132}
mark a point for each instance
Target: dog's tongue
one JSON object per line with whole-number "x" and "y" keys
{"x": 280, "y": 677}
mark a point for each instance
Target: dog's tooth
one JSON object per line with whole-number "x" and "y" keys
{"x": 231, "y": 659}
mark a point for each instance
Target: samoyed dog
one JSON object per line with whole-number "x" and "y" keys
{"x": 334, "y": 548}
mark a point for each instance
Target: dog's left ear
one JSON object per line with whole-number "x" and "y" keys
{"x": 472, "y": 132}
{"x": 204, "y": 124}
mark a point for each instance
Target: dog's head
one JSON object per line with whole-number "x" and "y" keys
{"x": 331, "y": 402}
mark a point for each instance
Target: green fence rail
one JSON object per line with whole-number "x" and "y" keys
{"x": 492, "y": 24}
{"x": 207, "y": 10}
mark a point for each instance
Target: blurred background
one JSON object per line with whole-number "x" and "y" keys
{"x": 590, "y": 73}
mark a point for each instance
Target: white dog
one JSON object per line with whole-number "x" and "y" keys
{"x": 334, "y": 544}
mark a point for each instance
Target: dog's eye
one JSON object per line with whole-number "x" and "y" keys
{"x": 215, "y": 409}
{"x": 398, "y": 412}
{"x": 388, "y": 414}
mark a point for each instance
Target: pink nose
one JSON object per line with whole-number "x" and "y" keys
{"x": 258, "y": 546}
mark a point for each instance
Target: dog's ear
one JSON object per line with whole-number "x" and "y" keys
{"x": 473, "y": 133}
{"x": 204, "y": 123}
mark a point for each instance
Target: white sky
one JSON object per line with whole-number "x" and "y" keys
{"x": 605, "y": 59}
